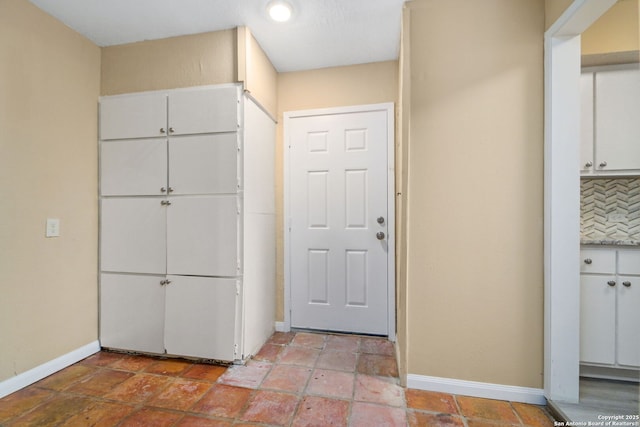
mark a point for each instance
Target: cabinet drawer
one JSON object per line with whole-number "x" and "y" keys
{"x": 598, "y": 261}
{"x": 629, "y": 261}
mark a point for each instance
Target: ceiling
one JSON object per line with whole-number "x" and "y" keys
{"x": 321, "y": 33}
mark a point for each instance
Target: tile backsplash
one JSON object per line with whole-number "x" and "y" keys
{"x": 610, "y": 207}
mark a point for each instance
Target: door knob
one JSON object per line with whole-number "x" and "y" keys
{"x": 380, "y": 220}
{"x": 380, "y": 235}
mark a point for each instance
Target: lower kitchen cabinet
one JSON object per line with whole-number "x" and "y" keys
{"x": 181, "y": 315}
{"x": 629, "y": 320}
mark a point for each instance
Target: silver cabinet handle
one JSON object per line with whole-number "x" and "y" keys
{"x": 162, "y": 130}
{"x": 588, "y": 164}
{"x": 380, "y": 235}
{"x": 163, "y": 190}
{"x": 611, "y": 283}
{"x": 165, "y": 203}
{"x": 627, "y": 283}
{"x": 170, "y": 189}
{"x": 588, "y": 261}
{"x": 171, "y": 130}
{"x": 603, "y": 164}
{"x": 165, "y": 282}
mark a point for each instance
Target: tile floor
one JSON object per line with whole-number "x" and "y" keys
{"x": 297, "y": 379}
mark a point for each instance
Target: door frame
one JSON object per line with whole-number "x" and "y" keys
{"x": 388, "y": 108}
{"x": 562, "y": 53}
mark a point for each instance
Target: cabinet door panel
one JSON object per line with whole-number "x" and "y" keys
{"x": 133, "y": 235}
{"x": 200, "y": 317}
{"x": 629, "y": 261}
{"x": 586, "y": 122}
{"x": 204, "y": 110}
{"x": 617, "y": 124}
{"x": 602, "y": 260}
{"x": 202, "y": 236}
{"x": 133, "y": 116}
{"x": 597, "y": 319}
{"x": 205, "y": 164}
{"x": 133, "y": 167}
{"x": 629, "y": 321}
{"x": 132, "y": 312}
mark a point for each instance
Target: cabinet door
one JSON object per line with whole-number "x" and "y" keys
{"x": 133, "y": 116}
{"x": 201, "y": 317}
{"x": 202, "y": 236}
{"x": 133, "y": 235}
{"x": 132, "y": 312}
{"x": 204, "y": 164}
{"x": 203, "y": 110}
{"x": 616, "y": 114}
{"x": 598, "y": 260}
{"x": 597, "y": 319}
{"x": 133, "y": 167}
{"x": 586, "y": 122}
{"x": 629, "y": 321}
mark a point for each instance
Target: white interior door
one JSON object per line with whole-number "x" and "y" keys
{"x": 338, "y": 207}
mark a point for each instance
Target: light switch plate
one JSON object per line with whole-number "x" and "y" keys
{"x": 53, "y": 227}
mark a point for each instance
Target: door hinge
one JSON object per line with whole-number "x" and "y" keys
{"x": 235, "y": 351}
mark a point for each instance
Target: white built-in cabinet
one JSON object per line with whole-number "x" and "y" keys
{"x": 610, "y": 129}
{"x": 609, "y": 302}
{"x": 187, "y": 223}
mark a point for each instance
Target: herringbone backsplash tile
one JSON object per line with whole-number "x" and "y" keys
{"x": 610, "y": 207}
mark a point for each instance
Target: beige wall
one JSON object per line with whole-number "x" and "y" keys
{"x": 193, "y": 60}
{"x": 328, "y": 87}
{"x": 615, "y": 31}
{"x": 49, "y": 85}
{"x": 256, "y": 71}
{"x": 475, "y": 191}
{"x": 553, "y": 9}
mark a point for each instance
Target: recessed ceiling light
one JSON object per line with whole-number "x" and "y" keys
{"x": 279, "y": 11}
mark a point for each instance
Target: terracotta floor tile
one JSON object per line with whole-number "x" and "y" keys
{"x": 168, "y": 367}
{"x": 431, "y": 401}
{"x": 139, "y": 388}
{"x": 349, "y": 343}
{"x": 100, "y": 414}
{"x": 147, "y": 417}
{"x": 223, "y": 401}
{"x": 101, "y": 383}
{"x": 368, "y": 415}
{"x": 321, "y": 412}
{"x": 180, "y": 395}
{"x": 377, "y": 390}
{"x": 271, "y": 407}
{"x": 379, "y": 346}
{"x": 269, "y": 352}
{"x": 203, "y": 371}
{"x": 338, "y": 360}
{"x": 22, "y": 401}
{"x": 102, "y": 358}
{"x": 249, "y": 376}
{"x": 304, "y": 339}
{"x": 287, "y": 378}
{"x": 299, "y": 356}
{"x": 532, "y": 415}
{"x": 474, "y": 407}
{"x": 53, "y": 412}
{"x": 191, "y": 421}
{"x": 133, "y": 363}
{"x": 475, "y": 422}
{"x": 331, "y": 383}
{"x": 422, "y": 419}
{"x": 282, "y": 338}
{"x": 67, "y": 377}
{"x": 374, "y": 364}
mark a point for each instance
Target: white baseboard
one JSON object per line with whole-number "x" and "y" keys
{"x": 282, "y": 327}
{"x": 39, "y": 372}
{"x": 533, "y": 396}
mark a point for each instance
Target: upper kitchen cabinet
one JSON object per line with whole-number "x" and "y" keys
{"x": 610, "y": 137}
{"x": 183, "y": 112}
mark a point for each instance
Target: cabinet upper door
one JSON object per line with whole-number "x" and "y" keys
{"x": 617, "y": 102}
{"x": 203, "y": 110}
{"x": 133, "y": 167}
{"x": 597, "y": 319}
{"x": 204, "y": 164}
{"x": 202, "y": 236}
{"x": 133, "y": 116}
{"x": 629, "y": 321}
{"x": 201, "y": 317}
{"x": 586, "y": 122}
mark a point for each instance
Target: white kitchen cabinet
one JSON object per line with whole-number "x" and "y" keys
{"x": 610, "y": 129}
{"x": 187, "y": 256}
{"x": 609, "y": 301}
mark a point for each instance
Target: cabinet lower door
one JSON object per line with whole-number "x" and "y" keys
{"x": 597, "y": 319}
{"x": 202, "y": 236}
{"x": 629, "y": 321}
{"x": 132, "y": 312}
{"x": 133, "y": 235}
{"x": 201, "y": 317}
